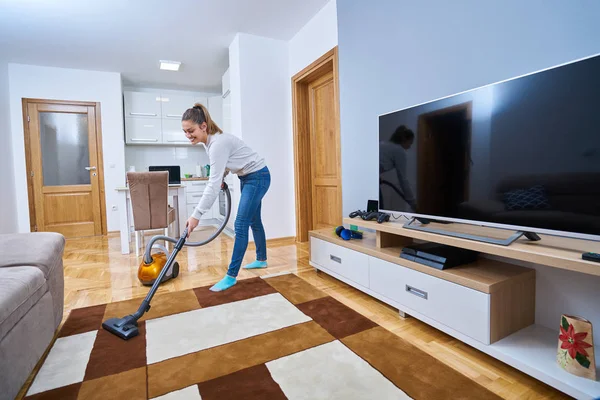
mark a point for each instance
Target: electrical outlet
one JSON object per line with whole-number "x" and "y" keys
{"x": 114, "y": 208}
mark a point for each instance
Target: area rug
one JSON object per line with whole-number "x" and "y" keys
{"x": 265, "y": 338}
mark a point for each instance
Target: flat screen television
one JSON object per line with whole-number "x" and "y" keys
{"x": 519, "y": 154}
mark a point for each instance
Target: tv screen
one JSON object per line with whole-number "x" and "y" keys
{"x": 522, "y": 154}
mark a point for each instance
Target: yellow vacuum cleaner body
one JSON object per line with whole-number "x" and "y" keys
{"x": 148, "y": 273}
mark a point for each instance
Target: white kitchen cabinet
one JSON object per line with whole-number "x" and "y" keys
{"x": 215, "y": 108}
{"x": 172, "y": 133}
{"x": 202, "y": 100}
{"x": 143, "y": 131}
{"x": 142, "y": 105}
{"x": 173, "y": 106}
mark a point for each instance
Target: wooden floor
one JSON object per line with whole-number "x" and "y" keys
{"x": 96, "y": 272}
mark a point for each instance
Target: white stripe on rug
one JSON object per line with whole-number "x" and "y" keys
{"x": 192, "y": 331}
{"x": 331, "y": 371}
{"x": 65, "y": 364}
{"x": 188, "y": 393}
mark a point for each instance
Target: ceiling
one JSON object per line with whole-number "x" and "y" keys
{"x": 131, "y": 36}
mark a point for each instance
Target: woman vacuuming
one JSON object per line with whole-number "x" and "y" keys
{"x": 228, "y": 153}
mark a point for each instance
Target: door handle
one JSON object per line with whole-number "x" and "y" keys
{"x": 90, "y": 168}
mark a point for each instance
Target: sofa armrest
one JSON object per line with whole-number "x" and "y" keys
{"x": 43, "y": 250}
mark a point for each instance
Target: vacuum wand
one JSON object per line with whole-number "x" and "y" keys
{"x": 127, "y": 327}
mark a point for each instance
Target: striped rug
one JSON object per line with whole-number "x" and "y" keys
{"x": 265, "y": 338}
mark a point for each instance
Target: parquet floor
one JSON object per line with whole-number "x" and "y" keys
{"x": 96, "y": 272}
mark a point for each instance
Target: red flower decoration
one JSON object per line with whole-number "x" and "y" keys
{"x": 573, "y": 342}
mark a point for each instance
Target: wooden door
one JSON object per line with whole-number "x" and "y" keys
{"x": 64, "y": 161}
{"x": 324, "y": 155}
{"x": 317, "y": 155}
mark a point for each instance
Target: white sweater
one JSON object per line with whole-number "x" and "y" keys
{"x": 226, "y": 153}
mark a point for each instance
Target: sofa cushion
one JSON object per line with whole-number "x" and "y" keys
{"x": 43, "y": 250}
{"x": 20, "y": 288}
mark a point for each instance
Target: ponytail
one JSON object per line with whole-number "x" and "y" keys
{"x": 199, "y": 114}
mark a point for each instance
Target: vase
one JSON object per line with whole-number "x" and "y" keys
{"x": 576, "y": 347}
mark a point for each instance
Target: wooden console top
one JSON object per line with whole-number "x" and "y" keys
{"x": 563, "y": 253}
{"x": 483, "y": 275}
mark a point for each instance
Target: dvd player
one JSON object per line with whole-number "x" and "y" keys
{"x": 438, "y": 256}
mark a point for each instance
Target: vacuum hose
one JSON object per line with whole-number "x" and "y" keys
{"x": 147, "y": 253}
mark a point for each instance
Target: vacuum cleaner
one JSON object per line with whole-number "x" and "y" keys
{"x": 127, "y": 327}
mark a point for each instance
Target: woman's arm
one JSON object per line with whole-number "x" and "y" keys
{"x": 218, "y": 155}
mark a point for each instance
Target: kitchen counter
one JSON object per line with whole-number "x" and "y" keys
{"x": 193, "y": 179}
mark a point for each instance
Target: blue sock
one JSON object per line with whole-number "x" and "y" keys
{"x": 256, "y": 264}
{"x": 224, "y": 284}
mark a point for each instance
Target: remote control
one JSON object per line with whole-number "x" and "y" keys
{"x": 591, "y": 257}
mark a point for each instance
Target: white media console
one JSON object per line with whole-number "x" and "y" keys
{"x": 507, "y": 304}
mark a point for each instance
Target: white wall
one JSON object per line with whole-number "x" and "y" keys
{"x": 316, "y": 38}
{"x": 28, "y": 81}
{"x": 402, "y": 53}
{"x": 261, "y": 114}
{"x": 8, "y": 219}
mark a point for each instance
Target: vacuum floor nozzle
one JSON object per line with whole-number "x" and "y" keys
{"x": 124, "y": 328}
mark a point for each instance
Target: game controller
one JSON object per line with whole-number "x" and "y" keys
{"x": 379, "y": 216}
{"x": 357, "y": 213}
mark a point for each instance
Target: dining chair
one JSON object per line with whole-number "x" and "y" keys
{"x": 149, "y": 193}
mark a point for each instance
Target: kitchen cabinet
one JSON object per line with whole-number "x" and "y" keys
{"x": 215, "y": 108}
{"x": 173, "y": 106}
{"x": 142, "y": 105}
{"x": 154, "y": 118}
{"x": 172, "y": 133}
{"x": 143, "y": 130}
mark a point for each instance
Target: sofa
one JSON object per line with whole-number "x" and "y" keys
{"x": 31, "y": 303}
{"x": 572, "y": 203}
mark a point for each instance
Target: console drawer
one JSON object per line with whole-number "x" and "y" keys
{"x": 460, "y": 308}
{"x": 345, "y": 262}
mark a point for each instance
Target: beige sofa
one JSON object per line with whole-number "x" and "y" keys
{"x": 31, "y": 303}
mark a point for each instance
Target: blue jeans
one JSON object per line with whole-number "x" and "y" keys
{"x": 253, "y": 187}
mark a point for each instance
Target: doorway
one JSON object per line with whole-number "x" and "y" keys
{"x": 63, "y": 148}
{"x": 444, "y": 159}
{"x": 317, "y": 158}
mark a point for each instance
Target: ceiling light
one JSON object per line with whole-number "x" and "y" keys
{"x": 170, "y": 65}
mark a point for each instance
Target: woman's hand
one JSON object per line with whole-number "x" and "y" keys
{"x": 191, "y": 224}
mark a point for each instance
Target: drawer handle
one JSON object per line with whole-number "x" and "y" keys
{"x": 174, "y": 115}
{"x": 143, "y": 140}
{"x": 420, "y": 293}
{"x": 336, "y": 259}
{"x": 143, "y": 114}
{"x": 177, "y": 141}
{"x": 197, "y": 184}
{"x": 196, "y": 195}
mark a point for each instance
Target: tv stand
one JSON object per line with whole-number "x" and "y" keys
{"x": 496, "y": 304}
{"x": 473, "y": 232}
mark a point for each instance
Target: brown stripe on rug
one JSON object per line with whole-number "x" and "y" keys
{"x": 112, "y": 355}
{"x": 178, "y": 373}
{"x": 242, "y": 290}
{"x": 81, "y": 320}
{"x": 162, "y": 304}
{"x": 130, "y": 385}
{"x": 64, "y": 393}
{"x": 417, "y": 373}
{"x": 249, "y": 384}
{"x": 295, "y": 289}
{"x": 335, "y": 317}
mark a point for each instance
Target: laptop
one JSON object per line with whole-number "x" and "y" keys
{"x": 174, "y": 172}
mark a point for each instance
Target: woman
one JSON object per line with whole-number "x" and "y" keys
{"x": 226, "y": 153}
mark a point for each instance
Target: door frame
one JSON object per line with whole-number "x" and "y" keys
{"x": 100, "y": 167}
{"x": 328, "y": 62}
